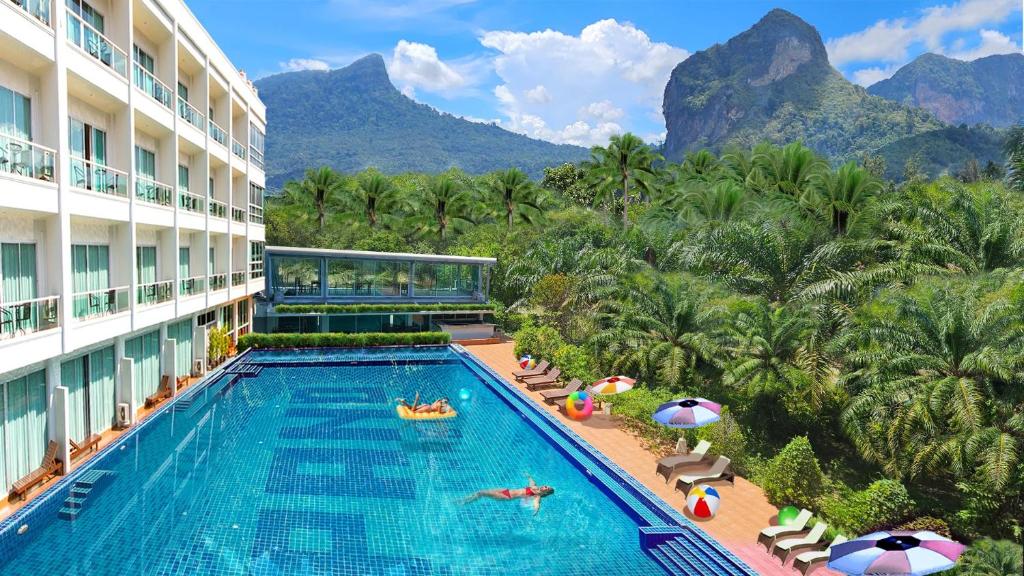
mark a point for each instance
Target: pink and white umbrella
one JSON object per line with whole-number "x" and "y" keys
{"x": 687, "y": 413}
{"x": 613, "y": 385}
{"x": 902, "y": 552}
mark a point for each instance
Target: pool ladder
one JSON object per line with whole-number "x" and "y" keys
{"x": 245, "y": 369}
{"x": 80, "y": 491}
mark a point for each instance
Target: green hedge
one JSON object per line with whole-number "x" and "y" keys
{"x": 884, "y": 504}
{"x": 793, "y": 476}
{"x": 383, "y": 308}
{"x": 340, "y": 340}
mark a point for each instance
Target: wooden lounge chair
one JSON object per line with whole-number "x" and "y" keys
{"x": 164, "y": 391}
{"x": 783, "y": 548}
{"x": 719, "y": 470}
{"x": 769, "y": 535}
{"x": 49, "y": 467}
{"x": 551, "y": 395}
{"x": 81, "y": 449}
{"x": 181, "y": 382}
{"x": 671, "y": 464}
{"x": 548, "y": 380}
{"x": 808, "y": 561}
{"x": 538, "y": 370}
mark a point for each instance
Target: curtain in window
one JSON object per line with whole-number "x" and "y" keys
{"x": 72, "y": 377}
{"x": 183, "y": 262}
{"x": 181, "y": 332}
{"x": 15, "y": 114}
{"x": 144, "y": 350}
{"x": 145, "y": 264}
{"x": 18, "y": 271}
{"x": 145, "y": 163}
{"x": 23, "y": 434}
{"x": 183, "y": 177}
{"x": 213, "y": 262}
{"x": 102, "y": 395}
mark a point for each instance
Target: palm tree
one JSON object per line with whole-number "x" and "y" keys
{"x": 447, "y": 204}
{"x": 376, "y": 196}
{"x": 841, "y": 195}
{"x": 769, "y": 351}
{"x": 320, "y": 186}
{"x": 626, "y": 162}
{"x": 1014, "y": 149}
{"x": 517, "y": 194}
{"x": 988, "y": 557}
{"x": 933, "y": 372}
{"x": 790, "y": 170}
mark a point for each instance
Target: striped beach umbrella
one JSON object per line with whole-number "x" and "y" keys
{"x": 613, "y": 385}
{"x": 902, "y": 552}
{"x": 687, "y": 413}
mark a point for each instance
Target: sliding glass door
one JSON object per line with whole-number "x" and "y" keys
{"x": 18, "y": 273}
{"x": 23, "y": 432}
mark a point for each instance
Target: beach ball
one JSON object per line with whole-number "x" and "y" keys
{"x": 787, "y": 515}
{"x": 702, "y": 501}
{"x": 465, "y": 394}
{"x": 527, "y": 362}
{"x": 579, "y": 406}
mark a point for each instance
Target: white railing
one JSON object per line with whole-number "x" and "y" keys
{"x": 190, "y": 114}
{"x": 155, "y": 292}
{"x": 238, "y": 278}
{"x": 238, "y": 149}
{"x": 148, "y": 190}
{"x": 152, "y": 85}
{"x": 88, "y": 175}
{"x": 192, "y": 286}
{"x": 25, "y": 158}
{"x": 218, "y": 282}
{"x": 217, "y": 133}
{"x": 29, "y": 316}
{"x": 103, "y": 302}
{"x": 95, "y": 44}
{"x": 218, "y": 209}
{"x": 191, "y": 202}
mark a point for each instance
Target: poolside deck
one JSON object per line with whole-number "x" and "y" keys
{"x": 744, "y": 510}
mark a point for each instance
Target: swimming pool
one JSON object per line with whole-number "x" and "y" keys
{"x": 295, "y": 463}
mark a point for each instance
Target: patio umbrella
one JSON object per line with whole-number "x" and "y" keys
{"x": 613, "y": 385}
{"x": 902, "y": 552}
{"x": 687, "y": 413}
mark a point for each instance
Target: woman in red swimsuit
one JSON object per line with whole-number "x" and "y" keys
{"x": 531, "y": 491}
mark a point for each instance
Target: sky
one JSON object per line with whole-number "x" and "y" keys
{"x": 578, "y": 71}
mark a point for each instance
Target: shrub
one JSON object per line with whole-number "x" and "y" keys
{"x": 341, "y": 340}
{"x": 383, "y": 308}
{"x": 930, "y": 523}
{"x": 882, "y": 505}
{"x": 538, "y": 341}
{"x": 635, "y": 409}
{"x": 727, "y": 439}
{"x": 575, "y": 362}
{"x": 218, "y": 344}
{"x": 793, "y": 476}
{"x": 988, "y": 557}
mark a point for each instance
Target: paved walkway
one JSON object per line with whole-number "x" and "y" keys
{"x": 744, "y": 510}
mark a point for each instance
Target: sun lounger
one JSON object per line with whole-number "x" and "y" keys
{"x": 769, "y": 535}
{"x": 49, "y": 467}
{"x": 551, "y": 395}
{"x": 719, "y": 471}
{"x": 671, "y": 464}
{"x": 539, "y": 370}
{"x": 164, "y": 391}
{"x": 808, "y": 561}
{"x": 80, "y": 449}
{"x": 783, "y": 548}
{"x": 546, "y": 381}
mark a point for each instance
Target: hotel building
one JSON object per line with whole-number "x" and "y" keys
{"x": 131, "y": 213}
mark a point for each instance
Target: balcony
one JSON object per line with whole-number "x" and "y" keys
{"x": 238, "y": 278}
{"x": 237, "y": 214}
{"x": 193, "y": 286}
{"x": 23, "y": 158}
{"x": 89, "y": 40}
{"x": 155, "y": 293}
{"x": 218, "y": 282}
{"x": 152, "y": 191}
{"x": 145, "y": 81}
{"x": 238, "y": 149}
{"x": 191, "y": 202}
{"x": 190, "y": 114}
{"x": 218, "y": 209}
{"x": 98, "y": 303}
{"x": 218, "y": 134}
{"x": 88, "y": 175}
{"x": 29, "y": 317}
{"x": 38, "y": 9}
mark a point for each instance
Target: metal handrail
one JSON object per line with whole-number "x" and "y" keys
{"x": 26, "y": 158}
{"x": 94, "y": 43}
{"x": 29, "y": 316}
{"x": 89, "y": 175}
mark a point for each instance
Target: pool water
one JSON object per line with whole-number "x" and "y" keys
{"x": 306, "y": 469}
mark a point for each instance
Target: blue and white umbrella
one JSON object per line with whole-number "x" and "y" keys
{"x": 898, "y": 552}
{"x": 687, "y": 413}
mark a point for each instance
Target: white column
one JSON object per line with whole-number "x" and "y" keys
{"x": 61, "y": 430}
{"x": 199, "y": 346}
{"x": 170, "y": 352}
{"x": 56, "y": 80}
{"x": 126, "y": 387}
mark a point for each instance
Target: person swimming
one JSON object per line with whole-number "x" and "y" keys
{"x": 439, "y": 406}
{"x": 531, "y": 491}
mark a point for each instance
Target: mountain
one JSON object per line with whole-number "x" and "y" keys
{"x": 987, "y": 90}
{"x": 774, "y": 83}
{"x": 353, "y": 118}
{"x": 944, "y": 151}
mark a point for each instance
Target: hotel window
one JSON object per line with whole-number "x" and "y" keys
{"x": 87, "y": 13}
{"x": 255, "y": 203}
{"x": 256, "y": 259}
{"x": 90, "y": 280}
{"x": 183, "y": 178}
{"x": 15, "y": 117}
{"x": 88, "y": 146}
{"x": 18, "y": 275}
{"x": 91, "y": 393}
{"x": 227, "y": 317}
{"x": 256, "y": 144}
{"x": 23, "y": 434}
{"x": 144, "y": 351}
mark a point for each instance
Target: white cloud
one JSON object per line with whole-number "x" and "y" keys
{"x": 868, "y": 76}
{"x": 891, "y": 40}
{"x": 296, "y": 64}
{"x": 990, "y": 42}
{"x": 612, "y": 73}
{"x": 415, "y": 65}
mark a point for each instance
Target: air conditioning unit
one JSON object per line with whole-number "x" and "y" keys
{"x": 197, "y": 368}
{"x": 124, "y": 415}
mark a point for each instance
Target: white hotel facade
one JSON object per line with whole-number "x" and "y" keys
{"x": 131, "y": 218}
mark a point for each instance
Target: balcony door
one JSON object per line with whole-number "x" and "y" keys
{"x": 22, "y": 426}
{"x": 90, "y": 276}
{"x": 15, "y": 117}
{"x": 91, "y": 393}
{"x": 88, "y": 147}
{"x": 18, "y": 272}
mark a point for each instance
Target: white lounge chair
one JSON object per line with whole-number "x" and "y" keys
{"x": 670, "y": 464}
{"x": 808, "y": 561}
{"x": 719, "y": 471}
{"x": 769, "y": 535}
{"x": 783, "y": 548}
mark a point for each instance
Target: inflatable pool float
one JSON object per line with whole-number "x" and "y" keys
{"x": 407, "y": 414}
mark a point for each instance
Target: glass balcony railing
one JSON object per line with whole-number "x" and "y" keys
{"x": 88, "y": 175}
{"x": 238, "y": 149}
{"x": 29, "y": 316}
{"x": 149, "y": 84}
{"x": 25, "y": 158}
{"x": 218, "y": 282}
{"x": 191, "y": 202}
{"x": 217, "y": 133}
{"x": 39, "y": 9}
{"x": 152, "y": 191}
{"x": 155, "y": 292}
{"x": 97, "y": 45}
{"x": 218, "y": 209}
{"x": 190, "y": 114}
{"x": 238, "y": 278}
{"x": 237, "y": 214}
{"x": 105, "y": 302}
{"x": 192, "y": 286}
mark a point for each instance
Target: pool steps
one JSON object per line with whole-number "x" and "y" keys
{"x": 80, "y": 491}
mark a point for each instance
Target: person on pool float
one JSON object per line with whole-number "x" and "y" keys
{"x": 439, "y": 406}
{"x": 531, "y": 491}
